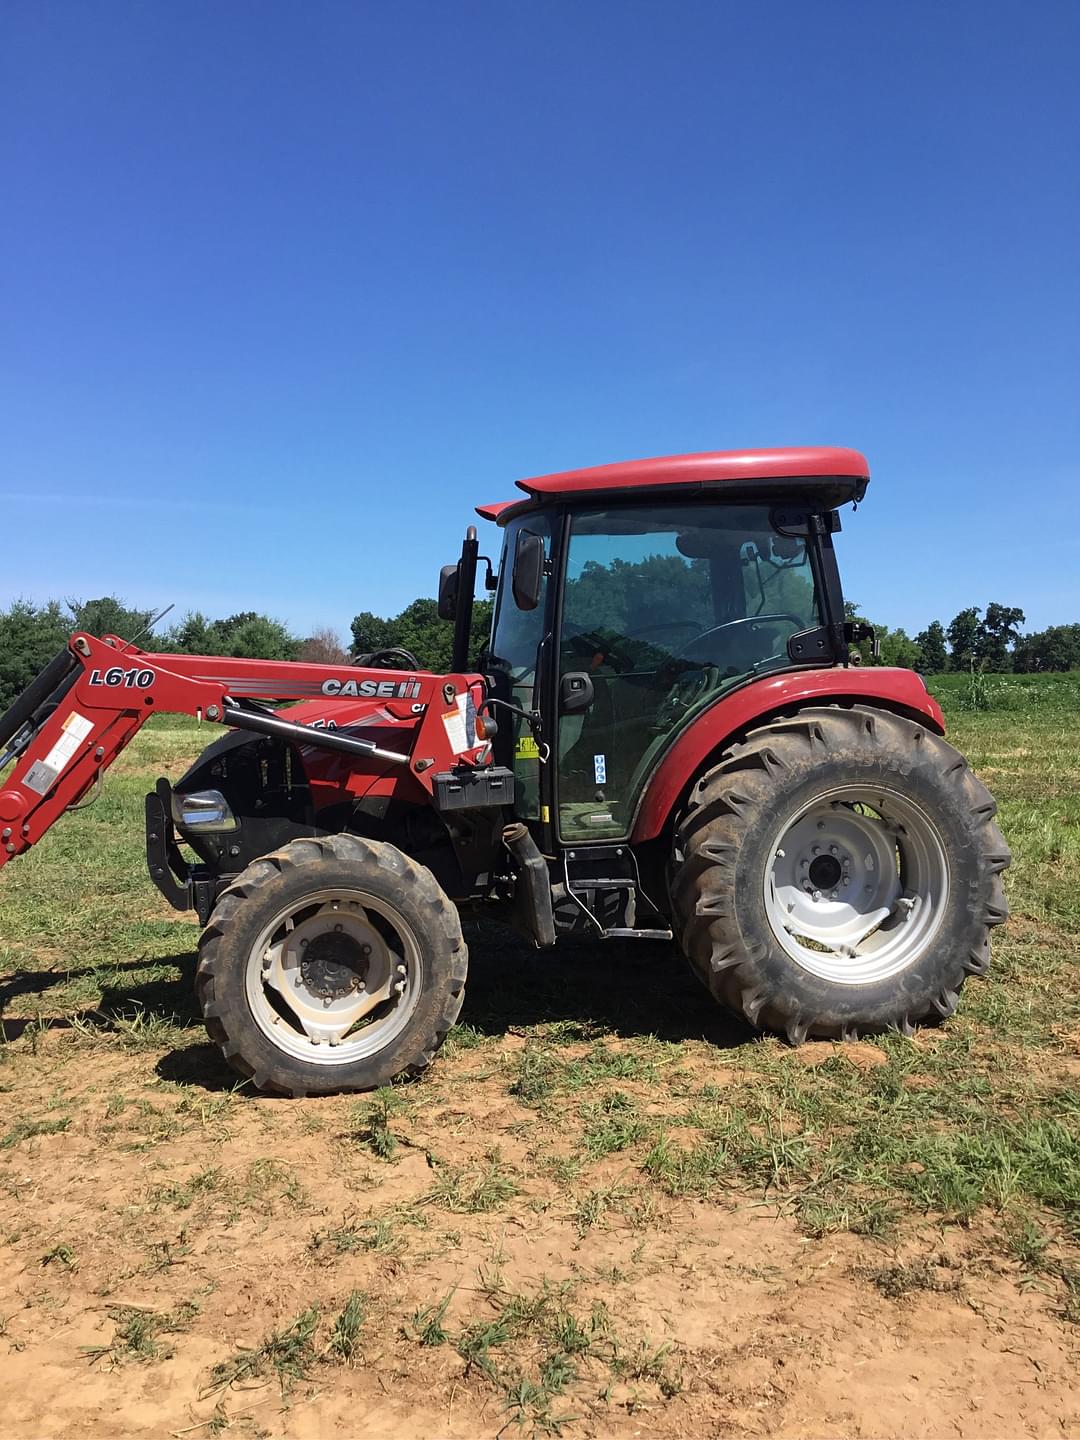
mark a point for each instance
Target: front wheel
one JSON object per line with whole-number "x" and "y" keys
{"x": 332, "y": 964}
{"x": 838, "y": 873}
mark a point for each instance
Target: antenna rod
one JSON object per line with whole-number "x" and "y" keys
{"x": 149, "y": 626}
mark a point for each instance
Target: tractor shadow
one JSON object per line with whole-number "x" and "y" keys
{"x": 168, "y": 998}
{"x": 148, "y": 1012}
{"x": 624, "y": 988}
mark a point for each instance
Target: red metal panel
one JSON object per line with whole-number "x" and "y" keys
{"x": 895, "y": 689}
{"x": 799, "y": 462}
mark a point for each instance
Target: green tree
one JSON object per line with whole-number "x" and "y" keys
{"x": 190, "y": 636}
{"x": 30, "y": 635}
{"x": 1000, "y": 629}
{"x": 108, "y": 616}
{"x": 898, "y": 648}
{"x": 933, "y": 656}
{"x": 370, "y": 632}
{"x": 1056, "y": 648}
{"x": 254, "y": 636}
{"x": 964, "y": 634}
{"x": 246, "y": 634}
{"x": 419, "y": 629}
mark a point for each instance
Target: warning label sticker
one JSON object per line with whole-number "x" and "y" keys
{"x": 527, "y": 748}
{"x": 39, "y": 778}
{"x": 43, "y": 774}
{"x": 454, "y": 724}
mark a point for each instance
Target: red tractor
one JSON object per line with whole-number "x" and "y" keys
{"x": 666, "y": 737}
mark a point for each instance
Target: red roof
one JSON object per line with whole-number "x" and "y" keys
{"x": 493, "y": 511}
{"x": 801, "y": 462}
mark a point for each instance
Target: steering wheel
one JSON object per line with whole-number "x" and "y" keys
{"x": 796, "y": 620}
{"x": 690, "y": 686}
{"x": 693, "y": 680}
{"x": 389, "y": 658}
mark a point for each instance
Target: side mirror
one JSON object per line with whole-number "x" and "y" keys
{"x": 448, "y": 592}
{"x": 528, "y": 572}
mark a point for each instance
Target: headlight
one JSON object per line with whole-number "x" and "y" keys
{"x": 206, "y": 810}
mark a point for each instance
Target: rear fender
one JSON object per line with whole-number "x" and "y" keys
{"x": 902, "y": 691}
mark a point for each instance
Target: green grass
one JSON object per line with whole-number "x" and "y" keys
{"x": 344, "y": 1343}
{"x": 1015, "y": 694}
{"x": 372, "y": 1120}
{"x": 474, "y": 1189}
{"x": 532, "y": 1346}
{"x": 289, "y": 1354}
{"x": 139, "y": 1331}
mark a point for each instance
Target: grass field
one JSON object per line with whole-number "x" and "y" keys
{"x": 607, "y": 1210}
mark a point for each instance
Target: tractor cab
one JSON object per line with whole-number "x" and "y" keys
{"x": 661, "y": 586}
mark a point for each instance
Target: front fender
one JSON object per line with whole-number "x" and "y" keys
{"x": 894, "y": 689}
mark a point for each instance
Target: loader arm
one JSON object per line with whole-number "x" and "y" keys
{"x": 86, "y": 706}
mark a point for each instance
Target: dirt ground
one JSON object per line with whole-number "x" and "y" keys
{"x": 253, "y": 1210}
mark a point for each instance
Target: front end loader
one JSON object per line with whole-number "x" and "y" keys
{"x": 666, "y": 737}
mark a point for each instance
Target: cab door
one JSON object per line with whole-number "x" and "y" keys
{"x": 665, "y": 606}
{"x": 519, "y": 647}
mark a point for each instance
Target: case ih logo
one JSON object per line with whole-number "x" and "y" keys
{"x": 380, "y": 689}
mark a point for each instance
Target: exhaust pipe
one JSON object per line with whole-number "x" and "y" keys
{"x": 533, "y": 895}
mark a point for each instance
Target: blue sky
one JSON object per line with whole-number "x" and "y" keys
{"x": 286, "y": 288}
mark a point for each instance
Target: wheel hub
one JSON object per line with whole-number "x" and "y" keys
{"x": 856, "y": 884}
{"x": 825, "y": 871}
{"x": 338, "y": 973}
{"x": 333, "y": 965}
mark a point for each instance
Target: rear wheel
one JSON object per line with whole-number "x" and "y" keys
{"x": 838, "y": 873}
{"x": 331, "y": 964}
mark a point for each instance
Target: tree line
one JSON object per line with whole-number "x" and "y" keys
{"x": 990, "y": 639}
{"x": 30, "y": 635}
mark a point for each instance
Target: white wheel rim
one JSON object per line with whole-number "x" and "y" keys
{"x": 856, "y": 885}
{"x": 334, "y": 978}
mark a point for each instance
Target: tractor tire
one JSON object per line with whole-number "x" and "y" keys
{"x": 837, "y": 874}
{"x": 331, "y": 964}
